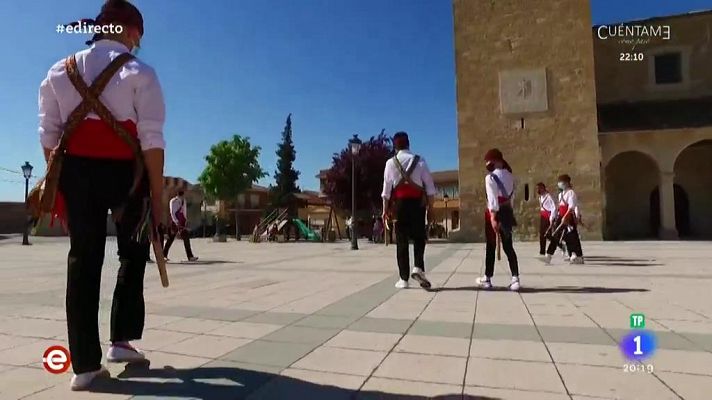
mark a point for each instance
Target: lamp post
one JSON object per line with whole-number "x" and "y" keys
{"x": 204, "y": 206}
{"x": 446, "y": 198}
{"x": 27, "y": 172}
{"x": 355, "y": 145}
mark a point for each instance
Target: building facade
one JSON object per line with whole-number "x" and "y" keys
{"x": 629, "y": 119}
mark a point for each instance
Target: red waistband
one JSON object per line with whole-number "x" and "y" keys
{"x": 563, "y": 209}
{"x": 94, "y": 138}
{"x": 546, "y": 214}
{"x": 406, "y": 191}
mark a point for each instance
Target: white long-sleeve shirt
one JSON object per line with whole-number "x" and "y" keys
{"x": 177, "y": 205}
{"x": 546, "y": 202}
{"x": 493, "y": 191}
{"x": 421, "y": 174}
{"x": 568, "y": 197}
{"x": 133, "y": 93}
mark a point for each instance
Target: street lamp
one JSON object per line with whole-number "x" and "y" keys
{"x": 446, "y": 198}
{"x": 355, "y": 145}
{"x": 27, "y": 172}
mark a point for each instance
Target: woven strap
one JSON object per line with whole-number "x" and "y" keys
{"x": 90, "y": 101}
{"x": 406, "y": 174}
{"x": 90, "y": 96}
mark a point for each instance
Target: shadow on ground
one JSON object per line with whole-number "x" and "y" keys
{"x": 620, "y": 261}
{"x": 225, "y": 383}
{"x": 557, "y": 289}
{"x": 204, "y": 262}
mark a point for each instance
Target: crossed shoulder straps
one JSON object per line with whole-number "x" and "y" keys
{"x": 91, "y": 102}
{"x": 406, "y": 174}
{"x": 501, "y": 187}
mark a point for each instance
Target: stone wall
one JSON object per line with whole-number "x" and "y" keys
{"x": 629, "y": 81}
{"x": 496, "y": 36}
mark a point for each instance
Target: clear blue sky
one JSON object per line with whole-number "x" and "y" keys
{"x": 339, "y": 66}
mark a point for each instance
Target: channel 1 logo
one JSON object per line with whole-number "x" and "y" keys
{"x": 639, "y": 344}
{"x": 56, "y": 359}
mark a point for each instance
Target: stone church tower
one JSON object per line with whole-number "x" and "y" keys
{"x": 525, "y": 84}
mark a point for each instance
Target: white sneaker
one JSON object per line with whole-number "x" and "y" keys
{"x": 547, "y": 259}
{"x": 566, "y": 257}
{"x": 402, "y": 284}
{"x": 83, "y": 381}
{"x": 484, "y": 282}
{"x": 192, "y": 259}
{"x": 419, "y": 275}
{"x": 514, "y": 286}
{"x": 576, "y": 260}
{"x": 124, "y": 352}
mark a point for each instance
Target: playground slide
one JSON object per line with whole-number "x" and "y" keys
{"x": 305, "y": 231}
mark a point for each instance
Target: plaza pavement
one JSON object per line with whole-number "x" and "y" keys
{"x": 318, "y": 321}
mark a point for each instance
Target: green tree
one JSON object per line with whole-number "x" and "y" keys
{"x": 232, "y": 167}
{"x": 285, "y": 176}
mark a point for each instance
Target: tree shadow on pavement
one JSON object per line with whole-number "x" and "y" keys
{"x": 556, "y": 289}
{"x": 225, "y": 383}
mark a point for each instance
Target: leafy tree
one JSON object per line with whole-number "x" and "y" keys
{"x": 285, "y": 176}
{"x": 232, "y": 167}
{"x": 370, "y": 163}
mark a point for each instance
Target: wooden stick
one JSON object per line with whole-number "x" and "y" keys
{"x": 499, "y": 247}
{"x": 157, "y": 245}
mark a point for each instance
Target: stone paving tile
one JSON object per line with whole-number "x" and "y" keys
{"x": 587, "y": 354}
{"x": 20, "y": 382}
{"x": 274, "y": 318}
{"x": 509, "y": 350}
{"x": 331, "y": 359}
{"x": 207, "y": 346}
{"x": 689, "y": 362}
{"x": 247, "y": 330}
{"x": 540, "y": 377}
{"x": 506, "y": 332}
{"x": 364, "y": 340}
{"x": 440, "y": 328}
{"x": 440, "y": 346}
{"x": 425, "y": 368}
{"x": 194, "y": 325}
{"x": 32, "y": 327}
{"x": 226, "y": 314}
{"x": 690, "y": 387}
{"x": 10, "y": 341}
{"x": 301, "y": 334}
{"x": 326, "y": 321}
{"x": 302, "y": 384}
{"x": 27, "y": 353}
{"x": 703, "y": 340}
{"x": 575, "y": 334}
{"x": 157, "y": 339}
{"x": 380, "y": 388}
{"x": 381, "y": 325}
{"x": 613, "y": 383}
{"x": 486, "y": 393}
{"x": 269, "y": 353}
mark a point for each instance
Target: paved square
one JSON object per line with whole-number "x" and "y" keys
{"x": 318, "y": 321}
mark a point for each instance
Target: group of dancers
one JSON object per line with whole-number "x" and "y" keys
{"x": 409, "y": 193}
{"x": 101, "y": 116}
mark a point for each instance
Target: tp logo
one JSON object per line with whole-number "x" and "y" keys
{"x": 56, "y": 359}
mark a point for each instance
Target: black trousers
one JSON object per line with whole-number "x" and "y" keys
{"x": 410, "y": 225}
{"x": 172, "y": 236}
{"x": 506, "y": 220}
{"x": 543, "y": 227}
{"x": 571, "y": 238}
{"x": 90, "y": 188}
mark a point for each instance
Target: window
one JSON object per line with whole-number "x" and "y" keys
{"x": 668, "y": 68}
{"x": 254, "y": 201}
{"x": 526, "y": 192}
{"x": 241, "y": 200}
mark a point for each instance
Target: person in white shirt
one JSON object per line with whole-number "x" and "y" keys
{"x": 566, "y": 226}
{"x": 408, "y": 194}
{"x": 499, "y": 218}
{"x": 179, "y": 226}
{"x": 100, "y": 146}
{"x": 547, "y": 215}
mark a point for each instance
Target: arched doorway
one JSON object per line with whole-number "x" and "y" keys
{"x": 693, "y": 172}
{"x": 682, "y": 211}
{"x": 630, "y": 178}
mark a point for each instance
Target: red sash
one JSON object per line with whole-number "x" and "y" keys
{"x": 545, "y": 214}
{"x": 94, "y": 138}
